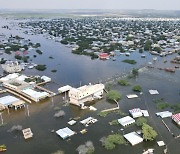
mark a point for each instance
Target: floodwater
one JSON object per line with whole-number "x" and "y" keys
{"x": 73, "y": 69}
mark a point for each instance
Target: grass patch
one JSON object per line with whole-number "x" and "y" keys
{"x": 161, "y": 104}
{"x": 123, "y": 83}
{"x": 114, "y": 122}
{"x": 104, "y": 114}
{"x": 129, "y": 61}
{"x": 176, "y": 108}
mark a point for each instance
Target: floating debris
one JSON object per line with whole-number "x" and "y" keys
{"x": 60, "y": 113}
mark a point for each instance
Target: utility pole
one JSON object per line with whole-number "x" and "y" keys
{"x": 2, "y": 121}
{"x": 28, "y": 110}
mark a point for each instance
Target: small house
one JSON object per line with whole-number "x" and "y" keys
{"x": 136, "y": 112}
{"x": 176, "y": 118}
{"x": 125, "y": 121}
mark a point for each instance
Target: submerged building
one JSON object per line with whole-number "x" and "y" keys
{"x": 86, "y": 93}
{"x": 11, "y": 67}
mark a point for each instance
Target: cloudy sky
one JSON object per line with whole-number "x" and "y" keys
{"x": 91, "y": 4}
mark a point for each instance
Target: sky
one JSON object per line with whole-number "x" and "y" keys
{"x": 91, "y": 4}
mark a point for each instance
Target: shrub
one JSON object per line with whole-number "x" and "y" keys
{"x": 123, "y": 82}
{"x": 161, "y": 104}
{"x": 39, "y": 52}
{"x": 111, "y": 141}
{"x": 137, "y": 88}
{"x": 53, "y": 71}
{"x": 129, "y": 61}
{"x": 40, "y": 67}
{"x": 18, "y": 57}
{"x": 113, "y": 95}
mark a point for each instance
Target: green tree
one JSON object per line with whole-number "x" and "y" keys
{"x": 140, "y": 121}
{"x": 135, "y": 72}
{"x": 113, "y": 95}
{"x": 147, "y": 45}
{"x": 112, "y": 140}
{"x": 149, "y": 134}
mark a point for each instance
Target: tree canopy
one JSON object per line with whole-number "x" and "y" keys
{"x": 149, "y": 134}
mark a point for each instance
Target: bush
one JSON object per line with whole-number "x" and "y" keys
{"x": 53, "y": 71}
{"x": 176, "y": 108}
{"x": 123, "y": 82}
{"x": 137, "y": 88}
{"x": 129, "y": 61}
{"x": 140, "y": 121}
{"x": 18, "y": 57}
{"x": 111, "y": 141}
{"x": 113, "y": 95}
{"x": 37, "y": 45}
{"x": 161, "y": 104}
{"x": 39, "y": 52}
{"x": 25, "y": 59}
{"x": 40, "y": 67}
{"x": 149, "y": 134}
{"x": 135, "y": 72}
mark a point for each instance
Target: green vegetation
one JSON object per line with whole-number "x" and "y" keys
{"x": 18, "y": 57}
{"x": 53, "y": 71}
{"x": 114, "y": 122}
{"x": 161, "y": 104}
{"x": 39, "y": 51}
{"x": 123, "y": 82}
{"x": 40, "y": 67}
{"x": 149, "y": 134}
{"x": 113, "y": 95}
{"x": 34, "y": 79}
{"x": 176, "y": 108}
{"x": 37, "y": 45}
{"x": 50, "y": 57}
{"x": 108, "y": 86}
{"x": 147, "y": 45}
{"x": 25, "y": 59}
{"x": 137, "y": 88}
{"x": 129, "y": 61}
{"x": 112, "y": 140}
{"x": 104, "y": 114}
{"x": 135, "y": 72}
{"x": 140, "y": 121}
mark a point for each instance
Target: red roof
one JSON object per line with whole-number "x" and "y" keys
{"x": 104, "y": 55}
{"x": 176, "y": 117}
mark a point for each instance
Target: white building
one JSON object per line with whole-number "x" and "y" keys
{"x": 11, "y": 67}
{"x": 133, "y": 138}
{"x": 136, "y": 112}
{"x": 79, "y": 96}
{"x": 125, "y": 121}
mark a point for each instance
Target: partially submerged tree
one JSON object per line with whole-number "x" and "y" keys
{"x": 149, "y": 134}
{"x": 137, "y": 88}
{"x": 140, "y": 121}
{"x": 113, "y": 95}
